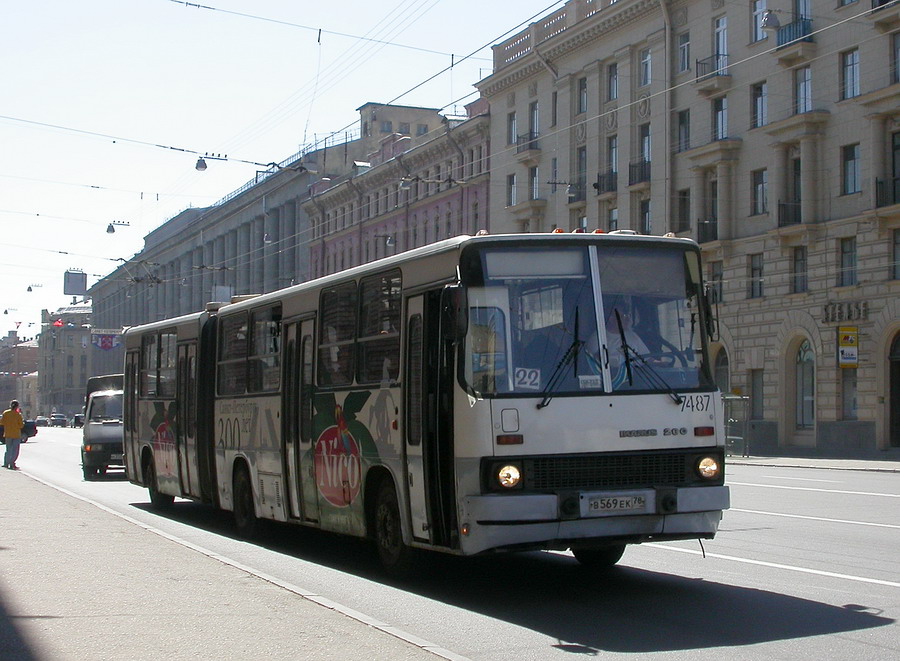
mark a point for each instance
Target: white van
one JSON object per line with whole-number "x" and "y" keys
{"x": 103, "y": 433}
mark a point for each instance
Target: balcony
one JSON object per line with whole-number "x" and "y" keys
{"x": 712, "y": 74}
{"x": 639, "y": 172}
{"x": 576, "y": 193}
{"x": 527, "y": 147}
{"x": 707, "y": 230}
{"x": 607, "y": 182}
{"x": 885, "y": 14}
{"x": 795, "y": 43}
{"x": 788, "y": 213}
{"x": 887, "y": 192}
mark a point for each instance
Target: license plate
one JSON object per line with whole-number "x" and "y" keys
{"x": 610, "y": 504}
{"x": 116, "y": 457}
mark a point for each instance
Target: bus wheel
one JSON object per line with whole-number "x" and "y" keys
{"x": 158, "y": 499}
{"x": 89, "y": 473}
{"x": 599, "y": 558}
{"x": 393, "y": 553}
{"x": 244, "y": 512}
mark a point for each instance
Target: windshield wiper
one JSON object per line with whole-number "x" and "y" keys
{"x": 570, "y": 356}
{"x": 625, "y": 347}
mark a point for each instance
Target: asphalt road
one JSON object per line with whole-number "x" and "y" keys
{"x": 806, "y": 566}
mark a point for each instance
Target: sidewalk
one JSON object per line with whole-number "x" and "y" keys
{"x": 816, "y": 462}
{"x": 77, "y": 582}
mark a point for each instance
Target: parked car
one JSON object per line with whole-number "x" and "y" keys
{"x": 58, "y": 420}
{"x": 103, "y": 433}
{"x": 29, "y": 430}
{"x": 78, "y": 420}
{"x": 42, "y": 421}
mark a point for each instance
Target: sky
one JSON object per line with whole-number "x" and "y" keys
{"x": 105, "y": 106}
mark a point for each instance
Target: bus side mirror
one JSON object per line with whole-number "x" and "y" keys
{"x": 455, "y": 312}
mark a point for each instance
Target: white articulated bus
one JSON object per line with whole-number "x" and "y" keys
{"x": 510, "y": 392}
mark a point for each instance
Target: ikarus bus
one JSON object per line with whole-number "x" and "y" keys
{"x": 487, "y": 393}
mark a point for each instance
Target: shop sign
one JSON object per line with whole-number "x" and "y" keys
{"x": 848, "y": 346}
{"x": 848, "y": 311}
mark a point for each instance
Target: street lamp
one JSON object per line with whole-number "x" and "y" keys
{"x": 770, "y": 22}
{"x": 111, "y": 228}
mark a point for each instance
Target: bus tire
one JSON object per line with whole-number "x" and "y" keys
{"x": 158, "y": 499}
{"x": 89, "y": 473}
{"x": 245, "y": 521}
{"x": 395, "y": 556}
{"x": 599, "y": 558}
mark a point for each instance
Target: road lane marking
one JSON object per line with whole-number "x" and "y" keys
{"x": 817, "y": 518}
{"x": 802, "y": 479}
{"x": 781, "y": 486}
{"x": 775, "y": 565}
{"x": 309, "y": 595}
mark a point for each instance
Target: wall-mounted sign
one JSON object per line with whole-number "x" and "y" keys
{"x": 847, "y": 311}
{"x": 848, "y": 346}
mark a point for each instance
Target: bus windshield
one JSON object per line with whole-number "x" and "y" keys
{"x": 584, "y": 319}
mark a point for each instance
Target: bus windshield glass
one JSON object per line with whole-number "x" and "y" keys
{"x": 584, "y": 319}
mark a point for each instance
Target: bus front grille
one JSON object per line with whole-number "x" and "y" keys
{"x": 611, "y": 471}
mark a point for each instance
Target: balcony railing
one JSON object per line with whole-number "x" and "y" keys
{"x": 880, "y": 4}
{"x": 527, "y": 142}
{"x": 887, "y": 192}
{"x": 606, "y": 182}
{"x": 638, "y": 172}
{"x": 714, "y": 65}
{"x": 707, "y": 230}
{"x": 799, "y": 30}
{"x": 575, "y": 192}
{"x": 788, "y": 213}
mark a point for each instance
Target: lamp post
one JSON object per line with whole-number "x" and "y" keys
{"x": 111, "y": 228}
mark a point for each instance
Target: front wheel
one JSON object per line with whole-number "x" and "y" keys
{"x": 395, "y": 556}
{"x": 600, "y": 558}
{"x": 89, "y": 473}
{"x": 244, "y": 510}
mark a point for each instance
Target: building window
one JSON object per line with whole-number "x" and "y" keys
{"x": 387, "y": 126}
{"x": 582, "y": 103}
{"x": 757, "y": 411}
{"x": 511, "y": 131}
{"x": 847, "y": 272}
{"x": 511, "y": 190}
{"x": 756, "y": 276}
{"x": 799, "y": 267}
{"x": 802, "y": 90}
{"x": 895, "y": 262}
{"x": 758, "y": 9}
{"x": 720, "y": 118}
{"x": 716, "y": 275}
{"x": 684, "y": 52}
{"x": 612, "y": 153}
{"x": 684, "y": 130}
{"x": 850, "y": 74}
{"x": 850, "y": 174}
{"x": 760, "y": 192}
{"x": 848, "y": 393}
{"x": 553, "y": 104}
{"x": 806, "y": 387}
{"x": 421, "y": 129}
{"x": 534, "y": 192}
{"x": 612, "y": 81}
{"x": 895, "y": 57}
{"x": 644, "y": 141}
{"x": 683, "y": 210}
{"x": 759, "y": 94}
{"x": 645, "y": 217}
{"x": 403, "y": 128}
{"x": 612, "y": 219}
{"x": 644, "y": 71}
{"x": 554, "y": 174}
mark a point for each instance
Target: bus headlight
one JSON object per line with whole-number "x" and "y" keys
{"x": 509, "y": 476}
{"x": 709, "y": 468}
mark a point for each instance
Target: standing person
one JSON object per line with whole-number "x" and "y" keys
{"x": 12, "y": 423}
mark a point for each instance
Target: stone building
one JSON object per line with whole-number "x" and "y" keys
{"x": 411, "y": 191}
{"x": 64, "y": 355}
{"x": 770, "y": 137}
{"x": 18, "y": 358}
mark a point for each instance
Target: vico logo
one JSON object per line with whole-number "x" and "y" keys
{"x": 338, "y": 470}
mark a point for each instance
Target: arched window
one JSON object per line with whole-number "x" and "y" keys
{"x": 721, "y": 372}
{"x": 806, "y": 387}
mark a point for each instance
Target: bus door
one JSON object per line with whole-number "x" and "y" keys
{"x": 429, "y": 442}
{"x": 305, "y": 451}
{"x": 132, "y": 440}
{"x": 186, "y": 419}
{"x": 290, "y": 418}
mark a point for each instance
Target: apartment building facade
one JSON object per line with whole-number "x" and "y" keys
{"x": 768, "y": 131}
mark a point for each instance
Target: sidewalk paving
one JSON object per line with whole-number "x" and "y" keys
{"x": 884, "y": 466}
{"x": 77, "y": 582}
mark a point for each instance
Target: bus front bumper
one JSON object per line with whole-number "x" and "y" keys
{"x": 552, "y": 520}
